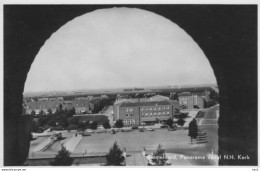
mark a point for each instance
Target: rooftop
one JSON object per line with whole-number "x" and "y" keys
{"x": 151, "y": 103}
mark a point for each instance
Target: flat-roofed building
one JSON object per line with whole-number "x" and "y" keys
{"x": 191, "y": 101}
{"x": 147, "y": 111}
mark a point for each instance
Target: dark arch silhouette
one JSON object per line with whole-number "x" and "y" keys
{"x": 226, "y": 33}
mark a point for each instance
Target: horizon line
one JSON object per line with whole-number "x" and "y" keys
{"x": 91, "y": 89}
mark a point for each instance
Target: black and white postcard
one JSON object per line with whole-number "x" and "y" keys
{"x": 148, "y": 85}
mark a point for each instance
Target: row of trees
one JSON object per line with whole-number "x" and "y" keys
{"x": 59, "y": 119}
{"x": 115, "y": 157}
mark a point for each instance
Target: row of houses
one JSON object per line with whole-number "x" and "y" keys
{"x": 80, "y": 105}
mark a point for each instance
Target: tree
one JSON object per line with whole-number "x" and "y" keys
{"x": 64, "y": 122}
{"x": 93, "y": 125}
{"x": 62, "y": 158}
{"x": 70, "y": 112}
{"x": 34, "y": 126}
{"x": 159, "y": 157}
{"x": 169, "y": 122}
{"x": 106, "y": 125}
{"x": 60, "y": 106}
{"x": 33, "y": 113}
{"x": 41, "y": 113}
{"x": 193, "y": 129}
{"x": 115, "y": 156}
{"x": 49, "y": 111}
{"x": 74, "y": 120}
{"x": 83, "y": 124}
{"x": 181, "y": 121}
{"x": 119, "y": 123}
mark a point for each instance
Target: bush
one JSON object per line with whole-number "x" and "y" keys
{"x": 100, "y": 119}
{"x": 135, "y": 127}
{"x": 180, "y": 122}
{"x": 73, "y": 120}
{"x": 119, "y": 123}
{"x": 93, "y": 125}
{"x": 58, "y": 128}
{"x": 72, "y": 127}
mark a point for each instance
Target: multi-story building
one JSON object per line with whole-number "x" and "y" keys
{"x": 148, "y": 111}
{"x": 191, "y": 101}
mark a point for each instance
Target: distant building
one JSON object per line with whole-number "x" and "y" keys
{"x": 191, "y": 100}
{"x": 148, "y": 111}
{"x": 80, "y": 105}
{"x": 41, "y": 105}
{"x": 104, "y": 96}
{"x": 159, "y": 98}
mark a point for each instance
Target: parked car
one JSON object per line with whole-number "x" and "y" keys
{"x": 150, "y": 129}
{"x": 172, "y": 129}
{"x": 86, "y": 134}
{"x": 126, "y": 130}
{"x": 135, "y": 127}
{"x": 164, "y": 126}
{"x": 113, "y": 131}
{"x": 141, "y": 130}
{"x": 56, "y": 136}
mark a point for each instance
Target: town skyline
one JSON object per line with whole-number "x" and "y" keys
{"x": 173, "y": 86}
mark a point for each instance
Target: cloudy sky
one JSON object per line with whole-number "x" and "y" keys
{"x": 118, "y": 47}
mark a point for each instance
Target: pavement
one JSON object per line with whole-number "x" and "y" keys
{"x": 72, "y": 143}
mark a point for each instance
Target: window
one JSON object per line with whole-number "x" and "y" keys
{"x": 131, "y": 114}
{"x": 167, "y": 107}
{"x": 159, "y": 113}
{"x": 146, "y": 114}
{"x": 142, "y": 114}
{"x": 168, "y": 113}
{"x": 126, "y": 109}
{"x": 163, "y": 107}
{"x": 159, "y": 108}
{"x": 125, "y": 121}
{"x": 154, "y": 108}
{"x": 142, "y": 109}
{"x": 151, "y": 114}
{"x": 126, "y": 115}
{"x": 163, "y": 113}
{"x": 130, "y": 121}
{"x": 154, "y": 113}
{"x": 131, "y": 109}
{"x": 150, "y": 108}
{"x": 133, "y": 121}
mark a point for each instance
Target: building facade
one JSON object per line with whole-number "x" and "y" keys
{"x": 80, "y": 105}
{"x": 147, "y": 111}
{"x": 191, "y": 101}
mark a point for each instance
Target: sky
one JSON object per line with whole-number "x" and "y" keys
{"x": 115, "y": 48}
